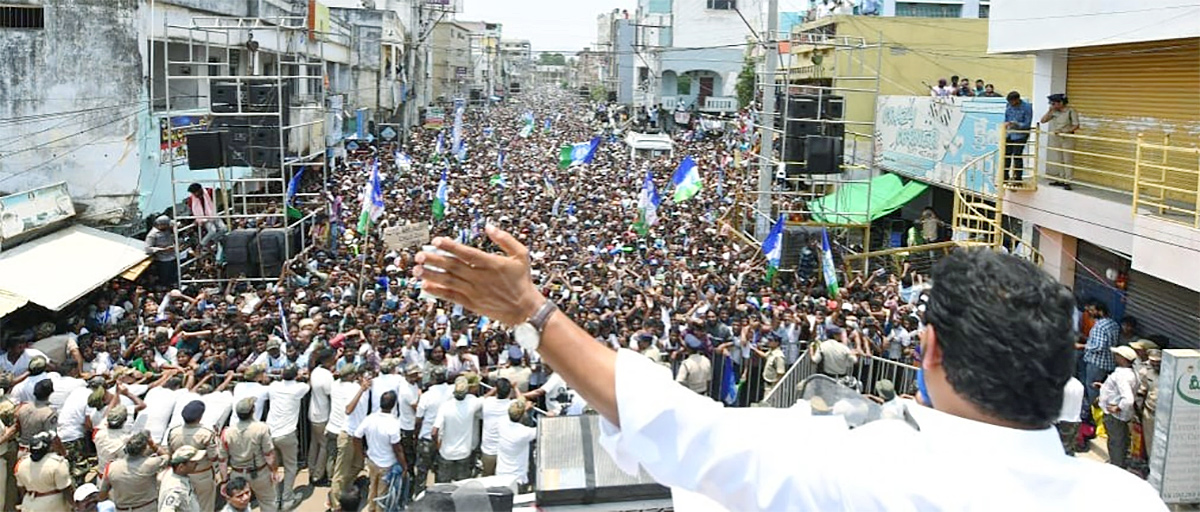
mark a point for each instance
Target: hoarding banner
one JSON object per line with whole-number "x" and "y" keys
{"x": 930, "y": 139}
{"x": 402, "y": 237}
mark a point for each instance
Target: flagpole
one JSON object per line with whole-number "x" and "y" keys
{"x": 363, "y": 268}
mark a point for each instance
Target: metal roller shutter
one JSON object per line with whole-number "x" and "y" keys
{"x": 1162, "y": 307}
{"x": 1094, "y": 285}
{"x": 1122, "y": 90}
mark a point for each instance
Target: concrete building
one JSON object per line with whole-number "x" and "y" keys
{"x": 451, "y": 61}
{"x": 615, "y": 32}
{"x": 863, "y": 57}
{"x": 517, "y": 60}
{"x": 902, "y": 8}
{"x": 486, "y": 66}
{"x": 78, "y": 109}
{"x": 690, "y": 51}
{"x": 1129, "y": 230}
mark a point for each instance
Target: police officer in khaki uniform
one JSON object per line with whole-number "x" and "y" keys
{"x": 8, "y": 447}
{"x": 250, "y": 452}
{"x": 34, "y": 418}
{"x": 44, "y": 476}
{"x": 176, "y": 493}
{"x": 131, "y": 482}
{"x": 191, "y": 433}
{"x": 110, "y": 442}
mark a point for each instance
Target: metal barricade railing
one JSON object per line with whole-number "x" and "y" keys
{"x": 1168, "y": 185}
{"x": 869, "y": 371}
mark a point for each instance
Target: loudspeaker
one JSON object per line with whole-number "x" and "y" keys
{"x": 802, "y": 128}
{"x": 223, "y": 97}
{"x": 264, "y": 157}
{"x": 236, "y": 249}
{"x": 793, "y": 155}
{"x": 264, "y": 136}
{"x": 206, "y": 150}
{"x": 833, "y": 107}
{"x": 823, "y": 155}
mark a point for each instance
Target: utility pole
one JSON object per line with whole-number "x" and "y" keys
{"x": 766, "y": 121}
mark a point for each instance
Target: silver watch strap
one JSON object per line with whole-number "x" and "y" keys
{"x": 539, "y": 319}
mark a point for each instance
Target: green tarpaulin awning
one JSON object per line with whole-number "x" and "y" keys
{"x": 849, "y": 204}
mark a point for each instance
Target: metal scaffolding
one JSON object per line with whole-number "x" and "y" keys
{"x": 283, "y": 134}
{"x": 844, "y": 70}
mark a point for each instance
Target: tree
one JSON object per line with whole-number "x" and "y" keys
{"x": 747, "y": 80}
{"x": 552, "y": 59}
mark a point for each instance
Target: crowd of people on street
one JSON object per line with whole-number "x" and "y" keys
{"x": 172, "y": 393}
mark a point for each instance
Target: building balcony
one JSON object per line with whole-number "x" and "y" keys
{"x": 720, "y": 104}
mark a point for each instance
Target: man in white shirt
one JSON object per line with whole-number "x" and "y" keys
{"x": 387, "y": 380}
{"x": 1117, "y": 397}
{"x": 17, "y": 354}
{"x": 254, "y": 386}
{"x": 273, "y": 360}
{"x": 160, "y": 405}
{"x": 427, "y": 410}
{"x": 1068, "y": 418}
{"x": 283, "y": 418}
{"x": 321, "y": 380}
{"x": 513, "y": 438}
{"x": 454, "y": 432}
{"x": 74, "y": 425}
{"x": 406, "y": 407}
{"x": 23, "y": 391}
{"x": 996, "y": 351}
{"x": 381, "y": 430}
{"x": 349, "y": 404}
{"x": 560, "y": 399}
{"x": 495, "y": 415}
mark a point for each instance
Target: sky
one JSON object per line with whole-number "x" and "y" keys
{"x": 549, "y": 25}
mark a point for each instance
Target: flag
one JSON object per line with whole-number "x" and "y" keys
{"x": 577, "y": 154}
{"x": 372, "y": 205}
{"x": 546, "y": 125}
{"x": 456, "y": 133}
{"x": 500, "y": 160}
{"x": 550, "y": 184}
{"x": 293, "y": 188}
{"x": 554, "y": 208}
{"x": 729, "y": 382}
{"x": 439, "y": 201}
{"x": 827, "y": 268}
{"x": 772, "y": 247}
{"x": 441, "y": 143}
{"x": 403, "y": 161}
{"x": 499, "y": 180}
{"x": 648, "y": 202}
{"x": 686, "y": 180}
{"x": 527, "y": 130}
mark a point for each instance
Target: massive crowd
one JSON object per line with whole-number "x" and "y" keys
{"x": 341, "y": 365}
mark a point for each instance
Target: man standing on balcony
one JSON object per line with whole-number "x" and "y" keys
{"x": 1061, "y": 121}
{"x": 1018, "y": 117}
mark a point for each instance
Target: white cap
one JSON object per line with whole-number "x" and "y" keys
{"x": 82, "y": 492}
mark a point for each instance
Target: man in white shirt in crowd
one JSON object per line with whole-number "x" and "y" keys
{"x": 406, "y": 408}
{"x": 454, "y": 433}
{"x": 996, "y": 352}
{"x": 17, "y": 355}
{"x": 283, "y": 417}
{"x": 273, "y": 360}
{"x": 254, "y": 385}
{"x": 23, "y": 391}
{"x": 513, "y": 439}
{"x": 561, "y": 400}
{"x": 1068, "y": 418}
{"x": 427, "y": 411}
{"x": 74, "y": 424}
{"x": 495, "y": 414}
{"x": 160, "y": 405}
{"x": 218, "y": 403}
{"x": 319, "y": 447}
{"x": 348, "y": 398}
{"x": 387, "y": 380}
{"x": 381, "y": 430}
{"x": 1117, "y": 396}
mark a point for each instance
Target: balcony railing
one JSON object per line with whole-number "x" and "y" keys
{"x": 1159, "y": 174}
{"x": 720, "y": 104}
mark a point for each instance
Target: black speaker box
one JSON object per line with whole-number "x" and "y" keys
{"x": 224, "y": 96}
{"x": 823, "y": 155}
{"x": 206, "y": 150}
{"x": 793, "y": 155}
{"x": 264, "y": 157}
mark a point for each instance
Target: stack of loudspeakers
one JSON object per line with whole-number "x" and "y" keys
{"x": 813, "y": 134}
{"x": 260, "y": 252}
{"x": 252, "y": 138}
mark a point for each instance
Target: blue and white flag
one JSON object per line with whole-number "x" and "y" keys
{"x": 441, "y": 143}
{"x": 828, "y": 270}
{"x": 500, "y": 160}
{"x": 372, "y": 205}
{"x": 772, "y": 247}
{"x": 578, "y": 154}
{"x": 294, "y": 187}
{"x": 648, "y": 203}
{"x": 686, "y": 180}
{"x": 456, "y": 134}
{"x": 554, "y": 209}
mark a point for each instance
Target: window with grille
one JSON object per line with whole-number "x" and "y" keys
{"x": 723, "y": 5}
{"x": 22, "y": 17}
{"x": 985, "y": 11}
{"x": 924, "y": 10}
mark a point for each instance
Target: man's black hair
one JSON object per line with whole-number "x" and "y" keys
{"x": 387, "y": 402}
{"x": 43, "y": 389}
{"x": 1132, "y": 321}
{"x": 1100, "y": 307}
{"x": 1004, "y": 328}
{"x": 503, "y": 388}
{"x": 235, "y": 485}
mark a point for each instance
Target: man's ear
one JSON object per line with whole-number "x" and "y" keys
{"x": 931, "y": 351}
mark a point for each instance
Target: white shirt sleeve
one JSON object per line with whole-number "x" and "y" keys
{"x": 699, "y": 446}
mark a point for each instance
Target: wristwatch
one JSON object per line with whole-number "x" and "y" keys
{"x": 529, "y": 334}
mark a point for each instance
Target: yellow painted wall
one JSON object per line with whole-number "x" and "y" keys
{"x": 915, "y": 50}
